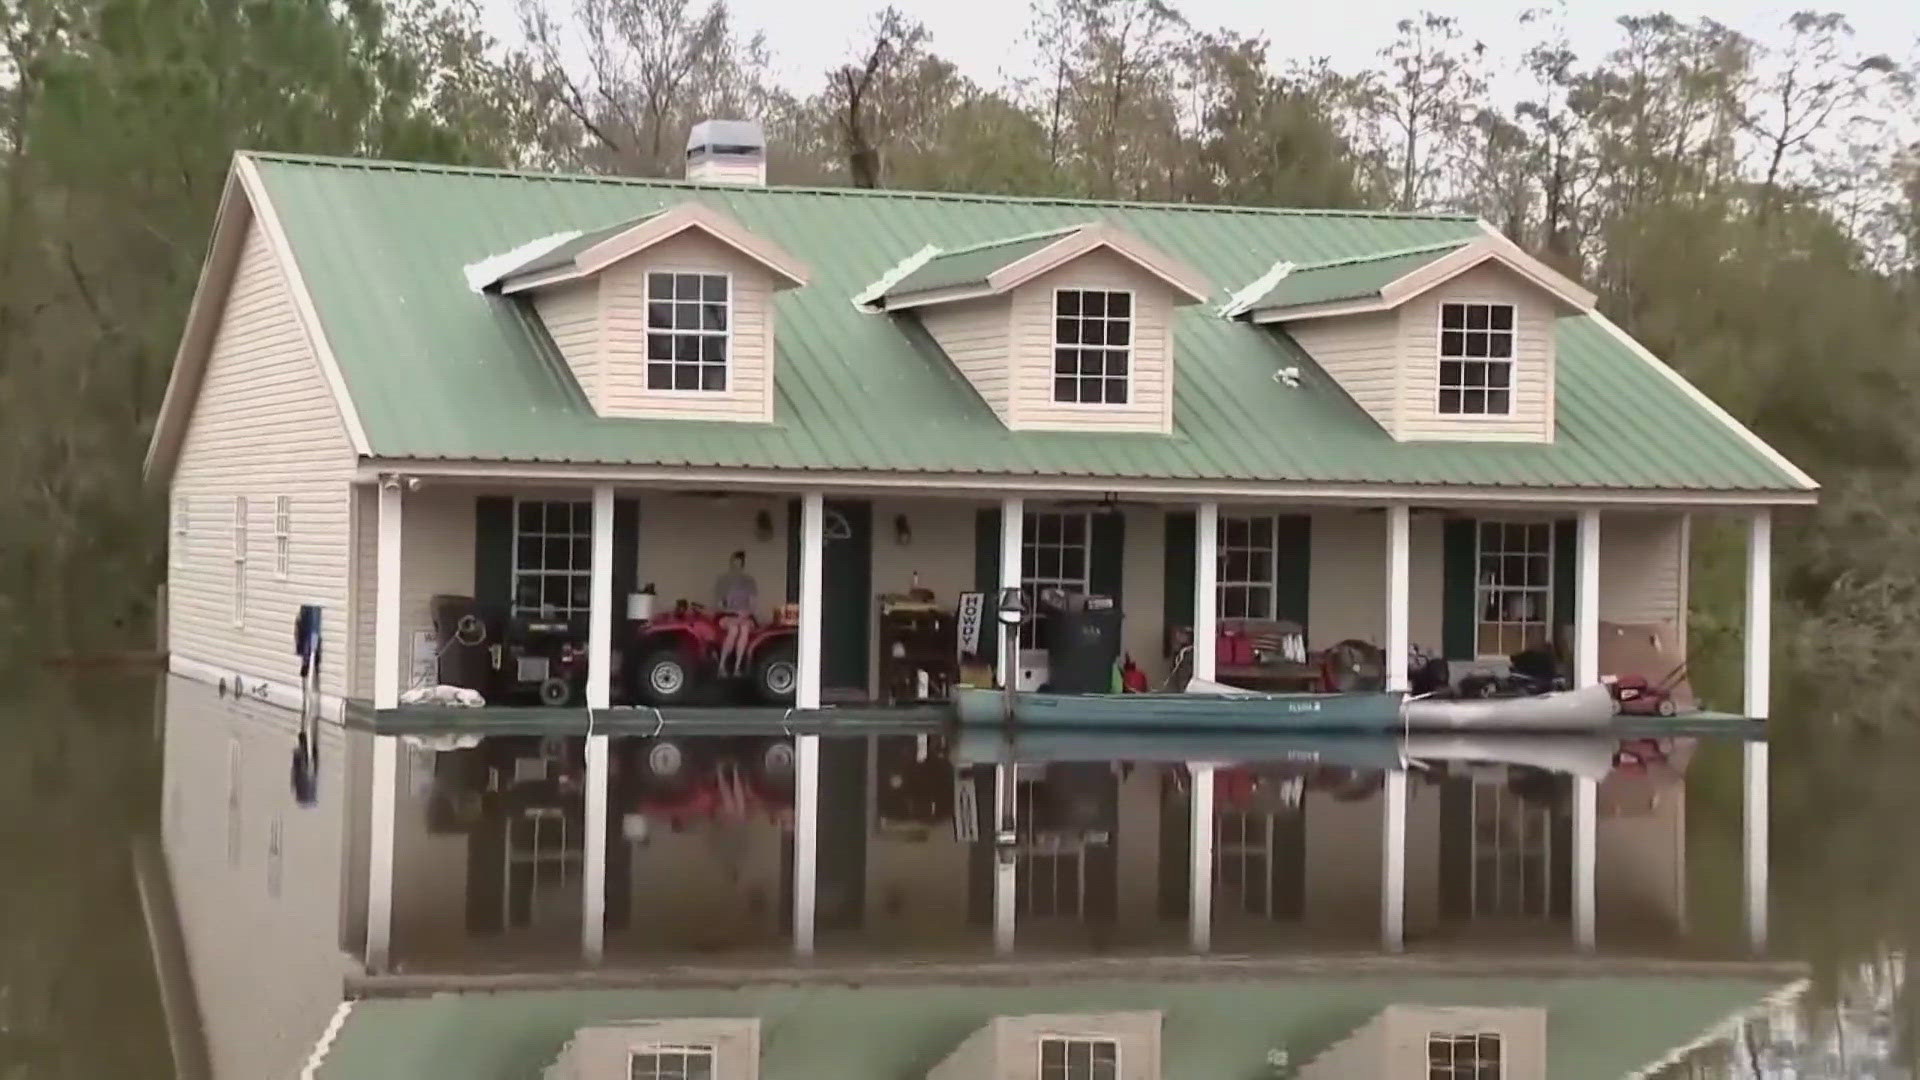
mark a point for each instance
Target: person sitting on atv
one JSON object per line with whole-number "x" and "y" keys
{"x": 735, "y": 595}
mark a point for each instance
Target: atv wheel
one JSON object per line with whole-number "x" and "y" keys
{"x": 776, "y": 673}
{"x": 665, "y": 678}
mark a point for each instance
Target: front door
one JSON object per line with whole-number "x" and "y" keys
{"x": 846, "y": 573}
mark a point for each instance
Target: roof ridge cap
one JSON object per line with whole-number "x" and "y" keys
{"x": 1041, "y": 234}
{"x": 391, "y": 165}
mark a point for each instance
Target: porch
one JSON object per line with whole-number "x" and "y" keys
{"x": 1474, "y": 578}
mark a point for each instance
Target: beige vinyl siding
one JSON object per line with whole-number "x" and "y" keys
{"x": 264, "y": 425}
{"x": 436, "y": 557}
{"x": 260, "y": 918}
{"x": 974, "y": 335}
{"x": 366, "y": 540}
{"x": 1149, "y": 404}
{"x": 1643, "y": 568}
{"x": 685, "y": 541}
{"x": 1347, "y": 587}
{"x": 1532, "y": 417}
{"x": 571, "y": 314}
{"x": 1362, "y": 354}
{"x": 749, "y": 393}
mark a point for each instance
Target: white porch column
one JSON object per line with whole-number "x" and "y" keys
{"x": 1586, "y": 601}
{"x": 1206, "y": 595}
{"x": 1006, "y": 879}
{"x": 1586, "y": 796}
{"x": 386, "y": 748}
{"x": 1393, "y": 862}
{"x": 1013, "y": 521}
{"x": 1399, "y": 558}
{"x": 593, "y": 868}
{"x": 806, "y": 790}
{"x": 1754, "y": 756}
{"x": 1200, "y": 872}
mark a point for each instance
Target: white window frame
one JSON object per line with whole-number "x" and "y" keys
{"x": 685, "y": 1051}
{"x": 239, "y": 561}
{"x": 700, "y": 333}
{"x": 1450, "y": 1069}
{"x": 1491, "y": 590}
{"x": 1050, "y": 876}
{"x": 1132, "y": 321}
{"x": 1032, "y": 582}
{"x": 182, "y": 522}
{"x": 1489, "y": 363}
{"x": 1242, "y": 585}
{"x": 282, "y": 536}
{"x": 574, "y": 575}
{"x": 1243, "y": 843}
{"x": 1068, "y": 1042}
{"x": 1521, "y": 834}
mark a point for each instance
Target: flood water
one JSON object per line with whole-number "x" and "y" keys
{"x": 496, "y": 829}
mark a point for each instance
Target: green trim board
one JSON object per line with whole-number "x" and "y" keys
{"x": 439, "y": 372}
{"x": 1222, "y": 1028}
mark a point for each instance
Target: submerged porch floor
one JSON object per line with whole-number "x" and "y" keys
{"x": 842, "y": 719}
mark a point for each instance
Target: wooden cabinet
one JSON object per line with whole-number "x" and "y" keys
{"x": 916, "y": 645}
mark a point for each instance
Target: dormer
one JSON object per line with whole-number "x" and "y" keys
{"x": 720, "y": 1048}
{"x": 1450, "y": 341}
{"x": 669, "y": 315}
{"x": 1065, "y": 330}
{"x": 1108, "y": 1046}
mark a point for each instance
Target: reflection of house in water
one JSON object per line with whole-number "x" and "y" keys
{"x": 700, "y": 867}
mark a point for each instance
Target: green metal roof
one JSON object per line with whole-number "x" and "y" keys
{"x": 972, "y": 265}
{"x": 1348, "y": 279}
{"x": 439, "y": 371}
{"x": 1597, "y": 1027}
{"x": 564, "y": 253}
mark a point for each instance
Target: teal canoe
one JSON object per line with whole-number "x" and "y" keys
{"x": 1369, "y": 711}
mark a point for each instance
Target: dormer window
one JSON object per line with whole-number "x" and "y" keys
{"x": 1065, "y": 1058}
{"x": 689, "y": 318}
{"x": 1476, "y": 1056}
{"x": 671, "y": 1063}
{"x": 1476, "y": 359}
{"x": 1092, "y": 345}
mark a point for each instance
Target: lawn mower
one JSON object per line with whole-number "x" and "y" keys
{"x": 1640, "y": 697}
{"x": 680, "y": 651}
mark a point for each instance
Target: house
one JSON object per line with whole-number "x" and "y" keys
{"x": 407, "y": 388}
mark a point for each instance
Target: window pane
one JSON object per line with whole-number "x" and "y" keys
{"x": 1063, "y": 390}
{"x": 528, "y": 555}
{"x": 1452, "y": 316}
{"x": 1473, "y": 401}
{"x": 1449, "y": 401}
{"x": 659, "y": 315}
{"x": 1093, "y": 303}
{"x": 1236, "y": 566}
{"x": 1450, "y": 372}
{"x": 1119, "y": 333}
{"x": 582, "y": 554}
{"x": 713, "y": 377}
{"x": 1234, "y": 531}
{"x": 659, "y": 346}
{"x": 1498, "y": 374}
{"x": 1476, "y": 316}
{"x": 1049, "y": 528}
{"x": 686, "y": 286}
{"x": 1476, "y": 343}
{"x": 713, "y": 316}
{"x": 1500, "y": 345}
{"x": 1259, "y": 602}
{"x": 529, "y": 517}
{"x": 1116, "y": 364}
{"x": 714, "y": 288}
{"x": 686, "y": 348}
{"x": 1066, "y": 361}
{"x": 556, "y": 555}
{"x": 686, "y": 377}
{"x": 713, "y": 349}
{"x": 1093, "y": 332}
{"x": 1119, "y": 305}
{"x": 660, "y": 286}
{"x": 1503, "y": 316}
{"x": 1117, "y": 391}
{"x": 1497, "y": 401}
{"x": 1073, "y": 529}
{"x": 659, "y": 376}
{"x": 686, "y": 316}
{"x": 1066, "y": 331}
{"x": 1452, "y": 343}
{"x": 1260, "y": 565}
{"x": 1476, "y": 374}
{"x": 1073, "y": 563}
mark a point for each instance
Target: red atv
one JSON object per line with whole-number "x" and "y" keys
{"x": 680, "y": 650}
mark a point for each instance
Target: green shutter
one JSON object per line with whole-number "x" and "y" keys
{"x": 493, "y": 551}
{"x": 793, "y": 551}
{"x": 1566, "y": 555}
{"x": 1177, "y": 609}
{"x": 986, "y": 577}
{"x": 1456, "y": 848}
{"x": 1457, "y": 625}
{"x": 626, "y": 553}
{"x": 1106, "y": 554}
{"x": 1293, "y": 567}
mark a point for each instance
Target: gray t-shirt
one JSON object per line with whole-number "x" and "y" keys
{"x": 736, "y": 590}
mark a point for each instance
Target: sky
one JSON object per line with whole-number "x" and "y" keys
{"x": 983, "y": 37}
